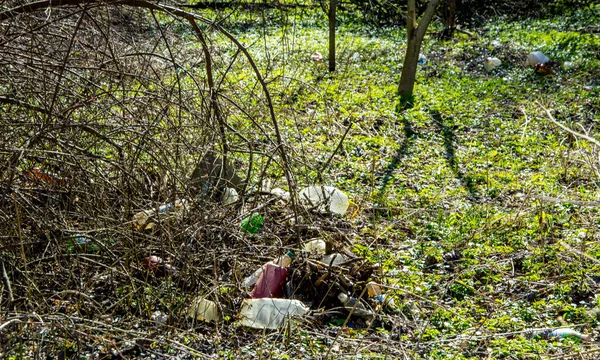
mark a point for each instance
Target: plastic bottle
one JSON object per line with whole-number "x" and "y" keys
{"x": 282, "y": 261}
{"x": 333, "y": 259}
{"x": 374, "y": 291}
{"x": 360, "y": 309}
{"x": 140, "y": 219}
{"x": 253, "y": 223}
{"x": 317, "y": 246}
{"x": 203, "y": 310}
{"x": 568, "y": 333}
{"x": 270, "y": 283}
{"x": 267, "y": 313}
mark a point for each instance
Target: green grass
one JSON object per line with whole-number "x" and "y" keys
{"x": 464, "y": 165}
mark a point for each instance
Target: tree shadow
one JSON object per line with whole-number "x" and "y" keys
{"x": 449, "y": 140}
{"x": 403, "y": 151}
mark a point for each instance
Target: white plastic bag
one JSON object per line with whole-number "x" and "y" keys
{"x": 317, "y": 246}
{"x": 536, "y": 57}
{"x": 268, "y": 313}
{"x": 230, "y": 196}
{"x": 325, "y": 198}
{"x": 491, "y": 63}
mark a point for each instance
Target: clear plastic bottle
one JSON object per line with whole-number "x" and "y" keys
{"x": 360, "y": 309}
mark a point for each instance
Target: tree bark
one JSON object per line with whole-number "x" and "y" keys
{"x": 332, "y": 20}
{"x": 449, "y": 19}
{"x": 415, "y": 34}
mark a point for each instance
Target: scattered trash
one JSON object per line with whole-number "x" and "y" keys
{"x": 323, "y": 197}
{"x": 143, "y": 219}
{"x": 355, "y": 57}
{"x": 285, "y": 195}
{"x": 282, "y": 261}
{"x": 40, "y": 176}
{"x": 210, "y": 175}
{"x": 422, "y": 59}
{"x": 536, "y": 57}
{"x": 317, "y": 246}
{"x": 203, "y": 310}
{"x": 80, "y": 241}
{"x": 542, "y": 70}
{"x": 158, "y": 267}
{"x": 568, "y": 64}
{"x": 561, "y": 333}
{"x": 491, "y": 63}
{"x": 253, "y": 223}
{"x": 159, "y": 317}
{"x": 151, "y": 263}
{"x": 270, "y": 283}
{"x": 360, "y": 309}
{"x": 229, "y": 196}
{"x": 496, "y": 43}
{"x": 568, "y": 333}
{"x": 268, "y": 313}
{"x": 374, "y": 291}
{"x": 334, "y": 259}
{"x": 316, "y": 56}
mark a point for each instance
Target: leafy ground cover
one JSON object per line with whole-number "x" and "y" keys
{"x": 481, "y": 212}
{"x": 466, "y": 197}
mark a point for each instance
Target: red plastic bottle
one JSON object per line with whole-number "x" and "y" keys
{"x": 270, "y": 283}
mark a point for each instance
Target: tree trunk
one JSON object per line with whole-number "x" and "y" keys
{"x": 415, "y": 34}
{"x": 449, "y": 19}
{"x": 409, "y": 70}
{"x": 332, "y": 15}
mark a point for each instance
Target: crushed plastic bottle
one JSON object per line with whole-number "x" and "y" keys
{"x": 360, "y": 309}
{"x": 316, "y": 246}
{"x": 270, "y": 283}
{"x": 203, "y": 310}
{"x": 536, "y": 57}
{"x": 333, "y": 259}
{"x": 159, "y": 317}
{"x": 491, "y": 63}
{"x": 325, "y": 198}
{"x": 282, "y": 261}
{"x": 229, "y": 196}
{"x": 285, "y": 195}
{"x": 268, "y": 313}
{"x": 374, "y": 291}
{"x": 422, "y": 59}
{"x": 566, "y": 333}
{"x": 141, "y": 220}
{"x": 253, "y": 223}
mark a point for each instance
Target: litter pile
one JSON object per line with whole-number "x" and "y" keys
{"x": 314, "y": 276}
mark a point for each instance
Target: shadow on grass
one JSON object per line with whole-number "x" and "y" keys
{"x": 449, "y": 141}
{"x": 403, "y": 151}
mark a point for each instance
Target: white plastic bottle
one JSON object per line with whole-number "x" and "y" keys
{"x": 268, "y": 313}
